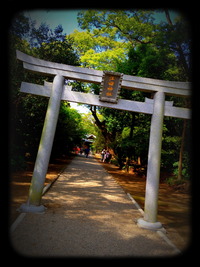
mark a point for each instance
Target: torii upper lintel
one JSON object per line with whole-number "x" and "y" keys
{"x": 182, "y": 89}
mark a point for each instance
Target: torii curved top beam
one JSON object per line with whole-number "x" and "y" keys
{"x": 182, "y": 89}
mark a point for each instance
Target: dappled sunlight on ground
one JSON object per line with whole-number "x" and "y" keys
{"x": 88, "y": 199}
{"x": 96, "y": 203}
{"x": 88, "y": 214}
{"x": 20, "y": 183}
{"x": 174, "y": 208}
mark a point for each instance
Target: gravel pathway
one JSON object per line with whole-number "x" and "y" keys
{"x": 88, "y": 215}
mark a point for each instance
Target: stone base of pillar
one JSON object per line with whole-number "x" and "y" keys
{"x": 157, "y": 226}
{"x": 27, "y": 208}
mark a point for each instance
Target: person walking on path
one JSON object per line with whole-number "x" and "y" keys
{"x": 87, "y": 151}
{"x": 102, "y": 154}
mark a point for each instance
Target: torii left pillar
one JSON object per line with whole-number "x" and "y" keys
{"x": 42, "y": 161}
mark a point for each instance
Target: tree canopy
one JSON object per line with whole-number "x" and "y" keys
{"x": 150, "y": 48}
{"x": 98, "y": 51}
{"x": 136, "y": 27}
{"x": 27, "y": 112}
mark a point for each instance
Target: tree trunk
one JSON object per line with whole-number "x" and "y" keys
{"x": 101, "y": 125}
{"x": 180, "y": 163}
{"x": 132, "y": 124}
{"x": 139, "y": 160}
{"x": 127, "y": 164}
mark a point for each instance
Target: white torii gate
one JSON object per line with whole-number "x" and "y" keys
{"x": 57, "y": 91}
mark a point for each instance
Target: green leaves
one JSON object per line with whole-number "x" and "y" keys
{"x": 97, "y": 50}
{"x": 132, "y": 25}
{"x": 139, "y": 27}
{"x": 28, "y": 111}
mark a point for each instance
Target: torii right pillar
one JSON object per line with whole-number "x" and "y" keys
{"x": 153, "y": 169}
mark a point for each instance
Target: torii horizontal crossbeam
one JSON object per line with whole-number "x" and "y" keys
{"x": 91, "y": 99}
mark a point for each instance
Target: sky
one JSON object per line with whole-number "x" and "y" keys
{"x": 68, "y": 20}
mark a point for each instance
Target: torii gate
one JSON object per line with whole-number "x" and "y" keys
{"x": 110, "y": 84}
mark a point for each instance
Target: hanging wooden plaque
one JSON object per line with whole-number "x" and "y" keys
{"x": 110, "y": 86}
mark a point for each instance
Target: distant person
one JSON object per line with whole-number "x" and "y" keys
{"x": 106, "y": 154}
{"x": 102, "y": 154}
{"x": 87, "y": 151}
{"x": 107, "y": 157}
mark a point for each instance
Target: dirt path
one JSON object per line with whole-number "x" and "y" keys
{"x": 173, "y": 205}
{"x": 20, "y": 183}
{"x": 88, "y": 215}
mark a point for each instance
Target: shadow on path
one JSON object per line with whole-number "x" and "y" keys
{"x": 88, "y": 215}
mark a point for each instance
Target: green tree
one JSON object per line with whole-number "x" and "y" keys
{"x": 156, "y": 50}
{"x": 69, "y": 131}
{"x": 135, "y": 26}
{"x": 139, "y": 27}
{"x": 58, "y": 51}
{"x": 27, "y": 112}
{"x": 43, "y": 34}
{"x": 98, "y": 51}
{"x": 146, "y": 60}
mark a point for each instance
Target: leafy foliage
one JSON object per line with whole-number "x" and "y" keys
{"x": 137, "y": 27}
{"x": 98, "y": 51}
{"x": 154, "y": 50}
{"x": 27, "y": 112}
{"x": 69, "y": 131}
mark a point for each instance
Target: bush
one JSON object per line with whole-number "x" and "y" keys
{"x": 172, "y": 180}
{"x": 186, "y": 167}
{"x": 17, "y": 160}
